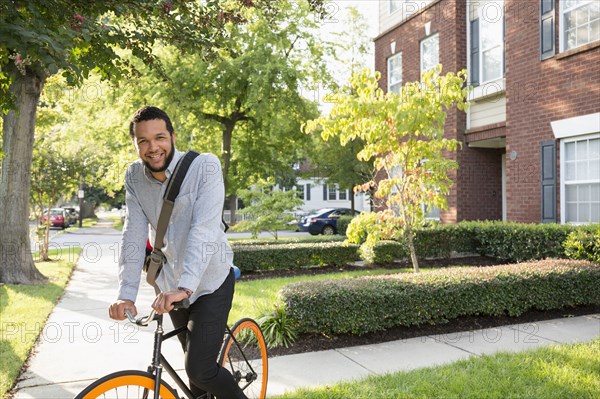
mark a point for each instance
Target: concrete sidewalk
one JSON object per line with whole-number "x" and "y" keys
{"x": 80, "y": 343}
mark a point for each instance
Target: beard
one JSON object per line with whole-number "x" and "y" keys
{"x": 167, "y": 161}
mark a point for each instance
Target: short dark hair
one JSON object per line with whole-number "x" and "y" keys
{"x": 149, "y": 113}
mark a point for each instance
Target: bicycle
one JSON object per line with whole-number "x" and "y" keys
{"x": 243, "y": 352}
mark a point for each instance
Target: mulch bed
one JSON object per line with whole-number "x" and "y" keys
{"x": 314, "y": 342}
{"x": 318, "y": 342}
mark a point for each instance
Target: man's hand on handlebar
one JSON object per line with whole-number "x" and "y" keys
{"x": 116, "y": 311}
{"x": 163, "y": 303}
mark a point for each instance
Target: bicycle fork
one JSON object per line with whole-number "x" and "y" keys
{"x": 155, "y": 367}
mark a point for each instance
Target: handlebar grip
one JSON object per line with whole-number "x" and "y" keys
{"x": 183, "y": 304}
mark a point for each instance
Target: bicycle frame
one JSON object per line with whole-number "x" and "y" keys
{"x": 160, "y": 363}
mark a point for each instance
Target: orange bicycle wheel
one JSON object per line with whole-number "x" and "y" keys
{"x": 244, "y": 354}
{"x": 127, "y": 384}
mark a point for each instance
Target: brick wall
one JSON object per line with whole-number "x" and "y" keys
{"x": 476, "y": 193}
{"x": 539, "y": 92}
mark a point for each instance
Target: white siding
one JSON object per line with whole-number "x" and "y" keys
{"x": 407, "y": 8}
{"x": 488, "y": 111}
{"x": 361, "y": 201}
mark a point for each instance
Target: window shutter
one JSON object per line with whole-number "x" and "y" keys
{"x": 307, "y": 192}
{"x": 548, "y": 151}
{"x": 547, "y": 29}
{"x": 475, "y": 52}
{"x": 324, "y": 192}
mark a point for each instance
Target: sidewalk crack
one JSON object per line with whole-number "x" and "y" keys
{"x": 355, "y": 362}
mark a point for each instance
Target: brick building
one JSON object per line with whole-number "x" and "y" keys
{"x": 531, "y": 138}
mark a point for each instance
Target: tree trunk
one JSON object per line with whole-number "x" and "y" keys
{"x": 413, "y": 252}
{"x": 16, "y": 261}
{"x": 226, "y": 158}
{"x": 233, "y": 209}
{"x": 352, "y": 205}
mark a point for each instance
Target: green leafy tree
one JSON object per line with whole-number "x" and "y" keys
{"x": 43, "y": 38}
{"x": 268, "y": 209}
{"x": 54, "y": 176}
{"x": 404, "y": 134}
{"x": 249, "y": 95}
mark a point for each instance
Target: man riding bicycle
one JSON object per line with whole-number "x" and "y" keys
{"x": 197, "y": 257}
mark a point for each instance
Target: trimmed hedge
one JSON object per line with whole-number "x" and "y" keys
{"x": 370, "y": 304}
{"x": 584, "y": 245}
{"x": 513, "y": 242}
{"x": 342, "y": 224}
{"x": 291, "y": 256}
{"x": 286, "y": 240}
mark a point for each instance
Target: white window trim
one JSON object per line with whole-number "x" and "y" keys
{"x": 422, "y": 52}
{"x": 481, "y": 49}
{"x": 390, "y": 11}
{"x": 563, "y": 203}
{"x": 561, "y": 26}
{"x": 577, "y": 126}
{"x": 389, "y": 73}
{"x": 479, "y": 91}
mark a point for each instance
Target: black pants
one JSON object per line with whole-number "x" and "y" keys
{"x": 206, "y": 320}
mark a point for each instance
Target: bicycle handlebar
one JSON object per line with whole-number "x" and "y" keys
{"x": 146, "y": 320}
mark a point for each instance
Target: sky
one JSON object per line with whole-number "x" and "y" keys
{"x": 333, "y": 22}
{"x": 336, "y": 13}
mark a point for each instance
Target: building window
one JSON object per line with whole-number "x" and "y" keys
{"x": 395, "y": 5}
{"x": 580, "y": 183}
{"x": 342, "y": 195}
{"x": 332, "y": 196}
{"x": 486, "y": 36}
{"x": 430, "y": 50}
{"x": 395, "y": 73}
{"x": 431, "y": 212}
{"x": 580, "y": 22}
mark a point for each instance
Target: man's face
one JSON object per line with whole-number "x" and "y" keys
{"x": 154, "y": 144}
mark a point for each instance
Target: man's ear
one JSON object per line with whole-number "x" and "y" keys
{"x": 174, "y": 137}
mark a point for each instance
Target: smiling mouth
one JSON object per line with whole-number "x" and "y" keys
{"x": 155, "y": 157}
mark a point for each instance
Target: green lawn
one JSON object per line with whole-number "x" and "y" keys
{"x": 554, "y": 372}
{"x": 252, "y": 296}
{"x": 24, "y": 310}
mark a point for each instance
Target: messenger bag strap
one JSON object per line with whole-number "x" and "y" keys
{"x": 173, "y": 187}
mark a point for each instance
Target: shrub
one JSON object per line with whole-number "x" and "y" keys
{"x": 342, "y": 224}
{"x": 513, "y": 242}
{"x": 277, "y": 328}
{"x": 584, "y": 245}
{"x": 291, "y": 256}
{"x": 369, "y": 304}
{"x": 286, "y": 240}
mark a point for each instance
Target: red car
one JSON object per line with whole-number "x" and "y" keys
{"x": 58, "y": 218}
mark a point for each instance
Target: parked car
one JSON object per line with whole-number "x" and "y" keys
{"x": 72, "y": 214}
{"x": 324, "y": 221}
{"x": 58, "y": 218}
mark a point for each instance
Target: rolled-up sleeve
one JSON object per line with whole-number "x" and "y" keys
{"x": 133, "y": 242}
{"x": 204, "y": 239}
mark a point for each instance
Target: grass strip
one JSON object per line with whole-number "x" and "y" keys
{"x": 552, "y": 372}
{"x": 24, "y": 310}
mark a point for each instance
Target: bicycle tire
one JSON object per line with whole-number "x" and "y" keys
{"x": 122, "y": 384}
{"x": 244, "y": 354}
